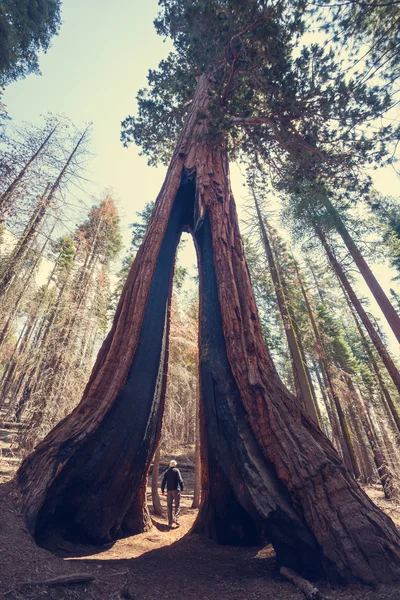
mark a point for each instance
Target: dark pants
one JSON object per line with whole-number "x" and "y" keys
{"x": 173, "y": 497}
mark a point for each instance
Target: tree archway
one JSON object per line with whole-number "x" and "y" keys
{"x": 267, "y": 463}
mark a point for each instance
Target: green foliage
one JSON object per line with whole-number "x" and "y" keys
{"x": 139, "y": 227}
{"x": 269, "y": 95}
{"x": 26, "y": 27}
{"x": 370, "y": 30}
{"x": 395, "y": 297}
{"x": 336, "y": 345}
{"x": 210, "y": 37}
{"x": 388, "y": 212}
{"x": 180, "y": 275}
{"x": 65, "y": 250}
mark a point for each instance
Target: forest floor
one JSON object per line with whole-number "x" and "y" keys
{"x": 162, "y": 564}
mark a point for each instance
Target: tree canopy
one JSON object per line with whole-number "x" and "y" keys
{"x": 271, "y": 94}
{"x": 26, "y": 28}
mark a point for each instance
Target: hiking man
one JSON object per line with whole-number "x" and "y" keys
{"x": 174, "y": 482}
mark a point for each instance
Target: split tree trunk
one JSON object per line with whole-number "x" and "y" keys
{"x": 267, "y": 460}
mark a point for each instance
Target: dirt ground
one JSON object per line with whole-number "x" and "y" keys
{"x": 158, "y": 565}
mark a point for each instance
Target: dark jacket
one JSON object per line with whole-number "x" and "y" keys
{"x": 172, "y": 479}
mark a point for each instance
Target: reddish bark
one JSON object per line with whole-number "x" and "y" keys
{"x": 283, "y": 475}
{"x": 369, "y": 473}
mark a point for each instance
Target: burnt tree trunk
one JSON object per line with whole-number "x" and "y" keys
{"x": 269, "y": 462}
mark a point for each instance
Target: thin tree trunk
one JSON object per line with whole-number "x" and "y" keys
{"x": 334, "y": 425}
{"x": 37, "y": 218}
{"x": 6, "y": 196}
{"x": 380, "y": 462}
{"x": 27, "y": 381}
{"x": 383, "y": 301}
{"x": 4, "y": 332}
{"x": 269, "y": 460}
{"x": 301, "y": 376}
{"x": 380, "y": 347}
{"x": 154, "y": 484}
{"x": 387, "y": 399}
{"x": 345, "y": 438}
{"x": 367, "y": 468}
{"x": 23, "y": 244}
{"x": 197, "y": 453}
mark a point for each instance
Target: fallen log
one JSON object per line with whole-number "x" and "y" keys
{"x": 306, "y": 587}
{"x": 61, "y": 580}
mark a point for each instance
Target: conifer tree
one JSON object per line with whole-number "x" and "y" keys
{"x": 26, "y": 27}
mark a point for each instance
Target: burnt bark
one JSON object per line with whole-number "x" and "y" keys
{"x": 271, "y": 463}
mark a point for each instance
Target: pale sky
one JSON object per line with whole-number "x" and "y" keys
{"x": 92, "y": 72}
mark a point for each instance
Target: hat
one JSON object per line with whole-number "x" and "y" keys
{"x": 172, "y": 463}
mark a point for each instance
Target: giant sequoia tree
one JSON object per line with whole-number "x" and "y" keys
{"x": 266, "y": 464}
